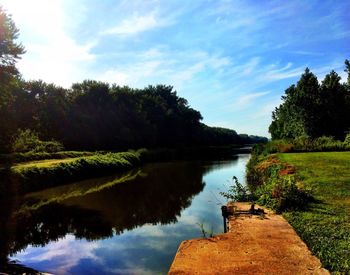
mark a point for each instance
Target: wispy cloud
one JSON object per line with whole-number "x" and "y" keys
{"x": 283, "y": 73}
{"x": 266, "y": 110}
{"x": 158, "y": 65}
{"x": 137, "y": 24}
{"x": 212, "y": 52}
{"x": 249, "y": 98}
{"x": 56, "y": 252}
{"x": 309, "y": 53}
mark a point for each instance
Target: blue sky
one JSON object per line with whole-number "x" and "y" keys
{"x": 232, "y": 60}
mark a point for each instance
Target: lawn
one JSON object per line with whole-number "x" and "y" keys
{"x": 43, "y": 163}
{"x": 325, "y": 224}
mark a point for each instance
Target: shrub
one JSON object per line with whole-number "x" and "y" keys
{"x": 302, "y": 144}
{"x": 275, "y": 184}
{"x": 347, "y": 141}
{"x": 282, "y": 193}
{"x": 28, "y": 141}
{"x": 237, "y": 192}
{"x": 25, "y": 141}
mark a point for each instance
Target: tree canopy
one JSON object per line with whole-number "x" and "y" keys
{"x": 312, "y": 109}
{"x": 94, "y": 115}
{"x": 10, "y": 52}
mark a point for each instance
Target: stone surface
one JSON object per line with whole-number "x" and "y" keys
{"x": 254, "y": 245}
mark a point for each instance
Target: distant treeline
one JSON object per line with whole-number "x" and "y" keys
{"x": 97, "y": 116}
{"x": 312, "y": 110}
{"x": 93, "y": 115}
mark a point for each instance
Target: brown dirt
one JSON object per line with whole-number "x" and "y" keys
{"x": 253, "y": 245}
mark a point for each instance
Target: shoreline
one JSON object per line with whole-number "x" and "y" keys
{"x": 253, "y": 245}
{"x": 35, "y": 175}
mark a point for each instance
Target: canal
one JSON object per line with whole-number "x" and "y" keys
{"x": 127, "y": 224}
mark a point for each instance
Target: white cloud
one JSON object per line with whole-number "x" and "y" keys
{"x": 283, "y": 73}
{"x": 136, "y": 24}
{"x": 157, "y": 65}
{"x": 266, "y": 110}
{"x": 57, "y": 252}
{"x": 247, "y": 99}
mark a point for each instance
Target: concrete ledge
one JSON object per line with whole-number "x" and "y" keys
{"x": 253, "y": 245}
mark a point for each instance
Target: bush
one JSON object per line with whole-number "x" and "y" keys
{"x": 28, "y": 141}
{"x": 302, "y": 144}
{"x": 237, "y": 192}
{"x": 274, "y": 184}
{"x": 282, "y": 193}
{"x": 347, "y": 141}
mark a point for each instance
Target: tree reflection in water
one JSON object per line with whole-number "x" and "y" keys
{"x": 157, "y": 195}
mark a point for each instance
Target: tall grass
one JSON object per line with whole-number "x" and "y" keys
{"x": 303, "y": 144}
{"x": 40, "y": 175}
{"x": 32, "y": 156}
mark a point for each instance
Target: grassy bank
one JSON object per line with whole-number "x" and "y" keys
{"x": 313, "y": 192}
{"x": 31, "y": 156}
{"x": 324, "y": 225}
{"x": 23, "y": 173}
{"x": 35, "y": 175}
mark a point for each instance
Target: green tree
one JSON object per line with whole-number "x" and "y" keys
{"x": 312, "y": 110}
{"x": 10, "y": 52}
{"x": 347, "y": 69}
{"x": 334, "y": 115}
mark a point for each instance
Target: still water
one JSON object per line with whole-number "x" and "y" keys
{"x": 130, "y": 224}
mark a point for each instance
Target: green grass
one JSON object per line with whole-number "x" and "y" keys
{"x": 42, "y": 163}
{"x": 36, "y": 175}
{"x": 325, "y": 224}
{"x": 36, "y": 156}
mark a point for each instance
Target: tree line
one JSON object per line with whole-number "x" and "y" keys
{"x": 311, "y": 109}
{"x": 94, "y": 115}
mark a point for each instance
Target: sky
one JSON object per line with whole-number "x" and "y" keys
{"x": 232, "y": 60}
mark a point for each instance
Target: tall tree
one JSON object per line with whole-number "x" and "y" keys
{"x": 333, "y": 116}
{"x": 10, "y": 52}
{"x": 313, "y": 110}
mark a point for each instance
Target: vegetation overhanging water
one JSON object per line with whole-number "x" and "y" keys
{"x": 132, "y": 223}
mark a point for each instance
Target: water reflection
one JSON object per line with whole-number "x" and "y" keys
{"x": 108, "y": 225}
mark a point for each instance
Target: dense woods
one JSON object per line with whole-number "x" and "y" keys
{"x": 312, "y": 110}
{"x": 93, "y": 115}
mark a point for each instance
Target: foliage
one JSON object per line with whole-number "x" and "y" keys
{"x": 311, "y": 110}
{"x": 43, "y": 174}
{"x": 347, "y": 140}
{"x": 10, "y": 52}
{"x": 237, "y": 192}
{"x": 28, "y": 141}
{"x": 302, "y": 144}
{"x": 275, "y": 184}
{"x": 325, "y": 225}
{"x": 34, "y": 156}
{"x": 205, "y": 233}
{"x": 114, "y": 117}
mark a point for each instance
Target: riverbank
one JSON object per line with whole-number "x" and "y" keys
{"x": 312, "y": 190}
{"x": 325, "y": 224}
{"x": 254, "y": 245}
{"x": 32, "y": 172}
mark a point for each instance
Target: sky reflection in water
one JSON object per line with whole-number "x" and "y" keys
{"x": 145, "y": 246}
